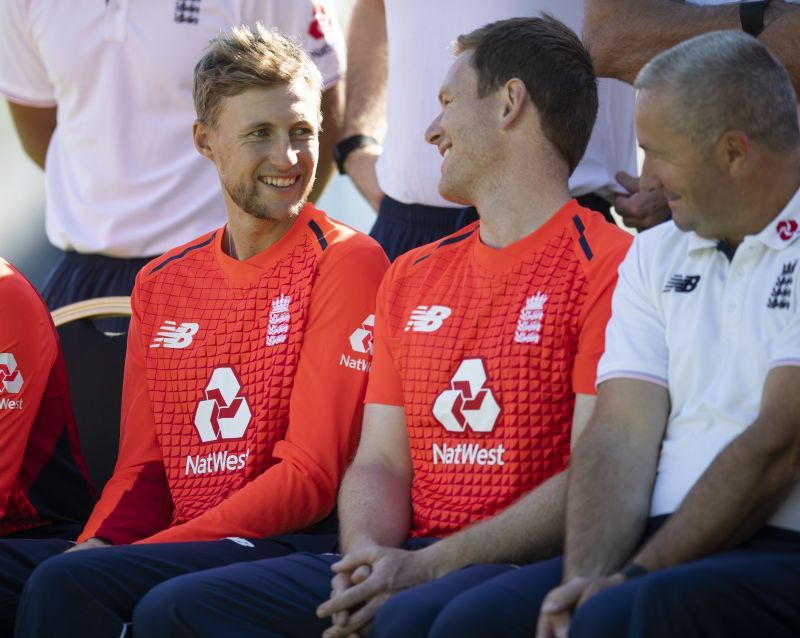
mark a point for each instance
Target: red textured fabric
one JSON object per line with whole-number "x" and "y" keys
{"x": 524, "y": 335}
{"x": 40, "y": 482}
{"x": 262, "y": 449}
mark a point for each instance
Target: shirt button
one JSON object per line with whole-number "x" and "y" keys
{"x": 731, "y": 307}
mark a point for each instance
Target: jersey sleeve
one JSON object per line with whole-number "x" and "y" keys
{"x": 385, "y": 385}
{"x": 314, "y": 24}
{"x": 596, "y": 311}
{"x": 136, "y": 501}
{"x": 324, "y": 413}
{"x": 23, "y": 76}
{"x": 636, "y": 346}
{"x": 28, "y": 351}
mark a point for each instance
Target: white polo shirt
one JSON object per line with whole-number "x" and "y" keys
{"x": 122, "y": 176}
{"x": 709, "y": 330}
{"x": 420, "y": 33}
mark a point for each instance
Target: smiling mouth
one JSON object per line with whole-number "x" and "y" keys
{"x": 279, "y": 182}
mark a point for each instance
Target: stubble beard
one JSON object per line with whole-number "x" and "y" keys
{"x": 247, "y": 199}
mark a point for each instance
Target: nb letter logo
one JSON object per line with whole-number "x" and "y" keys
{"x": 171, "y": 335}
{"x": 679, "y": 283}
{"x": 468, "y": 401}
{"x": 10, "y": 376}
{"x": 223, "y": 413}
{"x": 427, "y": 318}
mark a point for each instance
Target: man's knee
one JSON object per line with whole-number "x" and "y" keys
{"x": 161, "y": 613}
{"x": 607, "y": 614}
{"x": 404, "y": 615}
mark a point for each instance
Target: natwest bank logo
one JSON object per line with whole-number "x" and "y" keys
{"x": 223, "y": 413}
{"x": 361, "y": 343}
{"x": 10, "y": 376}
{"x": 786, "y": 229}
{"x": 468, "y": 402}
{"x": 320, "y": 22}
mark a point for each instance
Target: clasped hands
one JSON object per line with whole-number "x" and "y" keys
{"x": 363, "y": 580}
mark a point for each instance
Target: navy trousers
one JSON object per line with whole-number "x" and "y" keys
{"x": 269, "y": 598}
{"x": 94, "y": 592}
{"x": 77, "y": 276}
{"x": 747, "y": 592}
{"x": 401, "y": 227}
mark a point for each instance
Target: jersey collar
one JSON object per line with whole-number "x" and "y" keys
{"x": 780, "y": 233}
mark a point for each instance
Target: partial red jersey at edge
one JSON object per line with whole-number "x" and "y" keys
{"x": 486, "y": 349}
{"x": 43, "y": 478}
{"x": 243, "y": 386}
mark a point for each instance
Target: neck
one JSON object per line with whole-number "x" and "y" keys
{"x": 765, "y": 195}
{"x": 518, "y": 208}
{"x": 246, "y": 235}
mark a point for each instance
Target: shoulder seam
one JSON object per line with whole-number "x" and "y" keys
{"x": 182, "y": 254}
{"x": 584, "y": 243}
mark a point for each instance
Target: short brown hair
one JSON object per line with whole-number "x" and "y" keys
{"x": 554, "y": 66}
{"x": 242, "y": 59}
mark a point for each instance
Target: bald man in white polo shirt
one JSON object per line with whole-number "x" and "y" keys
{"x": 100, "y": 93}
{"x": 683, "y": 505}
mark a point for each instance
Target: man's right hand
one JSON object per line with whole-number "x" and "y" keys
{"x": 360, "y": 166}
{"x": 90, "y": 543}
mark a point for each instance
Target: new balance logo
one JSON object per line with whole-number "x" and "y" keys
{"x": 10, "y": 376}
{"x": 172, "y": 335}
{"x": 468, "y": 402}
{"x": 278, "y": 323}
{"x": 223, "y": 413}
{"x": 427, "y": 318}
{"x": 529, "y": 324}
{"x": 682, "y": 283}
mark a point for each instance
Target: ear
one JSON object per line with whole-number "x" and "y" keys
{"x": 514, "y": 96}
{"x": 201, "y": 134}
{"x": 733, "y": 152}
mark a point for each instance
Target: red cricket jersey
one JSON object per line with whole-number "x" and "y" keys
{"x": 486, "y": 349}
{"x": 243, "y": 388}
{"x": 43, "y": 477}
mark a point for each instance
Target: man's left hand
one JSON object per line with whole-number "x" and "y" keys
{"x": 640, "y": 209}
{"x": 390, "y": 570}
{"x": 560, "y": 604}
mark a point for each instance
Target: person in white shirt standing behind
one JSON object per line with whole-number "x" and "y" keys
{"x": 100, "y": 93}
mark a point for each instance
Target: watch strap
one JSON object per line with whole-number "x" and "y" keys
{"x": 751, "y": 16}
{"x": 348, "y": 145}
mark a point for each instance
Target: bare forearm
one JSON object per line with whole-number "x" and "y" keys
{"x": 529, "y": 530}
{"x": 623, "y": 35}
{"x": 608, "y": 502}
{"x": 35, "y": 127}
{"x": 374, "y": 508}
{"x": 366, "y": 70}
{"x": 734, "y": 497}
{"x": 332, "y": 113}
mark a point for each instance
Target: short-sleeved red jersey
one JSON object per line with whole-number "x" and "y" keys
{"x": 486, "y": 349}
{"x": 43, "y": 478}
{"x": 243, "y": 386}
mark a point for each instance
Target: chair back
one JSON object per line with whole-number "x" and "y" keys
{"x": 95, "y": 362}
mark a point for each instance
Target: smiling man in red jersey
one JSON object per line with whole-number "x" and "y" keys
{"x": 246, "y": 368}
{"x": 486, "y": 348}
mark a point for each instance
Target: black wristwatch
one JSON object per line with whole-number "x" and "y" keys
{"x": 348, "y": 145}
{"x": 751, "y": 15}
